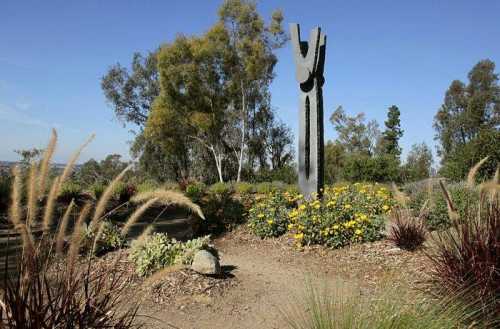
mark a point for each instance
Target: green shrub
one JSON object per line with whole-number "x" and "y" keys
{"x": 96, "y": 190}
{"x": 264, "y": 188}
{"x": 347, "y": 214}
{"x": 269, "y": 216}
{"x": 436, "y": 216}
{"x": 123, "y": 192}
{"x": 109, "y": 238}
{"x": 292, "y": 189}
{"x": 196, "y": 191}
{"x": 222, "y": 212}
{"x": 221, "y": 190}
{"x": 70, "y": 190}
{"x": 174, "y": 186}
{"x": 147, "y": 186}
{"x": 158, "y": 251}
{"x": 243, "y": 188}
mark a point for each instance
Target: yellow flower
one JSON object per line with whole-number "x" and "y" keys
{"x": 385, "y": 207}
{"x": 299, "y": 236}
{"x": 270, "y": 221}
{"x": 302, "y": 207}
{"x": 336, "y": 227}
{"x": 290, "y": 226}
{"x": 261, "y": 215}
{"x": 317, "y": 206}
{"x": 358, "y": 232}
{"x": 347, "y": 206}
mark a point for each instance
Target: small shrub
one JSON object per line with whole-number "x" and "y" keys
{"x": 464, "y": 198}
{"x": 96, "y": 190}
{"x": 195, "y": 191}
{"x": 243, "y": 188}
{"x": 158, "y": 251}
{"x": 269, "y": 215}
{"x": 278, "y": 186}
{"x": 406, "y": 232}
{"x": 174, "y": 186}
{"x": 264, "y": 188}
{"x": 292, "y": 189}
{"x": 123, "y": 192}
{"x": 147, "y": 186}
{"x": 222, "y": 212}
{"x": 70, "y": 190}
{"x": 221, "y": 190}
{"x": 109, "y": 238}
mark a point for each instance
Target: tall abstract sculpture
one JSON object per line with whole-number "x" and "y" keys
{"x": 309, "y": 64}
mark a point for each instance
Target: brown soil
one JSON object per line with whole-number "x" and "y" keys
{"x": 262, "y": 276}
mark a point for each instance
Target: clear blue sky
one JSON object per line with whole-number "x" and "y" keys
{"x": 379, "y": 53}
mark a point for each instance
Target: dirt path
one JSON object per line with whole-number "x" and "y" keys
{"x": 269, "y": 274}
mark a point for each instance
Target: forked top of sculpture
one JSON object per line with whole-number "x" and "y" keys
{"x": 309, "y": 56}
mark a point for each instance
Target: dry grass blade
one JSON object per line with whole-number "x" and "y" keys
{"x": 471, "y": 177}
{"x": 26, "y": 237}
{"x": 106, "y": 196}
{"x": 424, "y": 210}
{"x": 168, "y": 197}
{"x": 452, "y": 212}
{"x": 72, "y": 161}
{"x": 62, "y": 228}
{"x": 97, "y": 237}
{"x": 15, "y": 206}
{"x": 44, "y": 166}
{"x": 32, "y": 195}
{"x": 136, "y": 215}
{"x": 49, "y": 206}
{"x": 76, "y": 237}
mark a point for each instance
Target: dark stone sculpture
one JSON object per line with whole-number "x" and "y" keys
{"x": 309, "y": 64}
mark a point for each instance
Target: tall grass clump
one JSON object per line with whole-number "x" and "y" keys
{"x": 406, "y": 232}
{"x": 466, "y": 257}
{"x": 341, "y": 308}
{"x": 57, "y": 290}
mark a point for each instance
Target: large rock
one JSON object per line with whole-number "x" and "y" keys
{"x": 205, "y": 263}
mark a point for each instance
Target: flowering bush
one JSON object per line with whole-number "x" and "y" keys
{"x": 346, "y": 214}
{"x": 268, "y": 217}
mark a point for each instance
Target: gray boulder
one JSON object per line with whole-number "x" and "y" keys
{"x": 206, "y": 263}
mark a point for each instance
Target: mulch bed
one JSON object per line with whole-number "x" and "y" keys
{"x": 169, "y": 284}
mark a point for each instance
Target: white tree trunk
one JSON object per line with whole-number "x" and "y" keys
{"x": 243, "y": 131}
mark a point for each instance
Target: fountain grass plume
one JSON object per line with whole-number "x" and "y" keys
{"x": 452, "y": 211}
{"x": 15, "y": 206}
{"x": 32, "y": 195}
{"x": 105, "y": 197}
{"x": 72, "y": 161}
{"x": 76, "y": 237}
{"x": 50, "y": 204}
{"x": 61, "y": 233}
{"x": 136, "y": 215}
{"x": 97, "y": 237}
{"x": 471, "y": 176}
{"x": 45, "y": 164}
{"x": 167, "y": 198}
